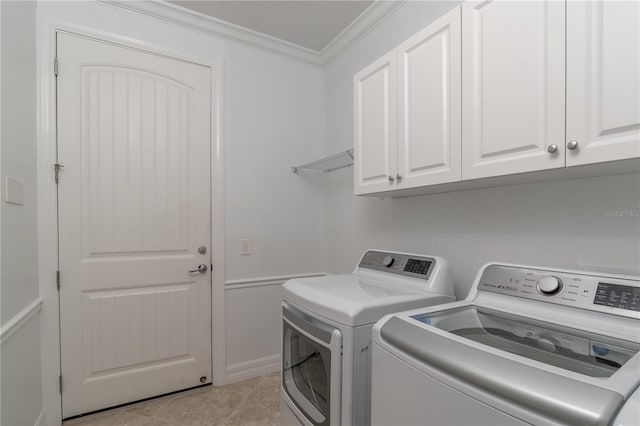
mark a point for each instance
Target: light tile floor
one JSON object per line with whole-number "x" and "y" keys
{"x": 252, "y": 402}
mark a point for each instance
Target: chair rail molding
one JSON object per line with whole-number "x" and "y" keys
{"x": 264, "y": 281}
{"x": 168, "y": 12}
{"x": 20, "y": 319}
{"x": 41, "y": 420}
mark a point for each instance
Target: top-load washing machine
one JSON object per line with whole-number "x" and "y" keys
{"x": 529, "y": 345}
{"x": 327, "y": 321}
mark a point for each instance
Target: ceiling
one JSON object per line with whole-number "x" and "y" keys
{"x": 310, "y": 24}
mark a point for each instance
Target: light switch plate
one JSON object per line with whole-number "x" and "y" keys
{"x": 14, "y": 191}
{"x": 245, "y": 246}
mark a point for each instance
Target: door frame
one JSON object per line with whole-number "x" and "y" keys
{"x": 47, "y": 28}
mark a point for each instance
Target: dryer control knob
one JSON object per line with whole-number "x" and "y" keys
{"x": 549, "y": 285}
{"x": 388, "y": 261}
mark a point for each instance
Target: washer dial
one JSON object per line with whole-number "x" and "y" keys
{"x": 549, "y": 285}
{"x": 388, "y": 261}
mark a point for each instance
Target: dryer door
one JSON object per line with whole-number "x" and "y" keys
{"x": 311, "y": 366}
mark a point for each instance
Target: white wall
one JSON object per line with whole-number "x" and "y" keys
{"x": 21, "y": 378}
{"x": 21, "y": 381}
{"x": 273, "y": 121}
{"x": 19, "y": 251}
{"x": 255, "y": 315}
{"x": 558, "y": 223}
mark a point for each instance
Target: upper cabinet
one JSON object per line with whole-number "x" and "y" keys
{"x": 498, "y": 88}
{"x": 407, "y": 112}
{"x": 375, "y": 126}
{"x": 429, "y": 109}
{"x": 512, "y": 87}
{"x": 603, "y": 81}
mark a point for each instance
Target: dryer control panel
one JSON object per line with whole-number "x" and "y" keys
{"x": 397, "y": 263}
{"x": 604, "y": 294}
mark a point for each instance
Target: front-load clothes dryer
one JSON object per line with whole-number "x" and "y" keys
{"x": 529, "y": 345}
{"x": 326, "y": 332}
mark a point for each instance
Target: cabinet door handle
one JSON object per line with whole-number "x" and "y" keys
{"x": 571, "y": 145}
{"x": 391, "y": 179}
{"x": 399, "y": 177}
{"x": 552, "y": 149}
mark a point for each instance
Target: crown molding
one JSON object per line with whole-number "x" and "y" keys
{"x": 370, "y": 18}
{"x": 193, "y": 20}
{"x": 174, "y": 14}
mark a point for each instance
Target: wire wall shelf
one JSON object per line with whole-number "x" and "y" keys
{"x": 327, "y": 164}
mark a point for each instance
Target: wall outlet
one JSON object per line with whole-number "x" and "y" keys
{"x": 245, "y": 246}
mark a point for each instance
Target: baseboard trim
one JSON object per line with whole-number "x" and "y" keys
{"x": 20, "y": 319}
{"x": 41, "y": 420}
{"x": 254, "y": 368}
{"x": 263, "y": 281}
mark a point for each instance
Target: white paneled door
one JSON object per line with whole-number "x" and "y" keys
{"x": 513, "y": 87}
{"x": 603, "y": 81}
{"x": 134, "y": 207}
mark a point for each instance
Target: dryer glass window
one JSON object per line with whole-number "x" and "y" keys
{"x": 306, "y": 374}
{"x": 571, "y": 349}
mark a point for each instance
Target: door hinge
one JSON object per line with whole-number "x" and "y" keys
{"x": 57, "y": 168}
{"x": 60, "y": 383}
{"x": 55, "y": 66}
{"x": 58, "y": 280}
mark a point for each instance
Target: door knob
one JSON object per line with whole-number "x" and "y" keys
{"x": 391, "y": 179}
{"x": 571, "y": 145}
{"x": 202, "y": 268}
{"x": 552, "y": 149}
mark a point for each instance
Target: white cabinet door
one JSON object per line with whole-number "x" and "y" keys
{"x": 429, "y": 108}
{"x": 513, "y": 85}
{"x": 375, "y": 126}
{"x": 603, "y": 81}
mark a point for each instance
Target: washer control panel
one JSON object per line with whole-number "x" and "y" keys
{"x": 604, "y": 294}
{"x": 396, "y": 263}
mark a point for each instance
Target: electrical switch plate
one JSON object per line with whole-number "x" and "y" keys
{"x": 245, "y": 246}
{"x": 14, "y": 191}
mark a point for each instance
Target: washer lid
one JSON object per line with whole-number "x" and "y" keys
{"x": 351, "y": 300}
{"x": 560, "y": 398}
{"x": 579, "y": 351}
